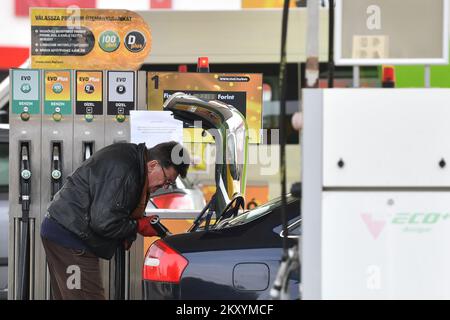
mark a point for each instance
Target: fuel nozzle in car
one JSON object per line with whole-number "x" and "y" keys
{"x": 159, "y": 227}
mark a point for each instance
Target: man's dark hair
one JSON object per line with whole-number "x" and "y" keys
{"x": 171, "y": 154}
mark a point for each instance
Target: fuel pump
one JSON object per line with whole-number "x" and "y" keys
{"x": 121, "y": 98}
{"x": 60, "y": 130}
{"x": 24, "y": 187}
{"x": 56, "y": 154}
{"x": 368, "y": 196}
{"x": 88, "y": 122}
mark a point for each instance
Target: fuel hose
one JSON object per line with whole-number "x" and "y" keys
{"x": 119, "y": 274}
{"x": 24, "y": 247}
{"x": 282, "y": 118}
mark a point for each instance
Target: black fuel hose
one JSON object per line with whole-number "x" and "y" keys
{"x": 277, "y": 288}
{"x": 24, "y": 261}
{"x": 24, "y": 247}
{"x": 119, "y": 274}
{"x": 282, "y": 119}
{"x": 331, "y": 44}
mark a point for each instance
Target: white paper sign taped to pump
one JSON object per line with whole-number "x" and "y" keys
{"x": 155, "y": 127}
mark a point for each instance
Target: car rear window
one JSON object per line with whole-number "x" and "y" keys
{"x": 260, "y": 211}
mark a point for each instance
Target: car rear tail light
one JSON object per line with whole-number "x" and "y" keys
{"x": 163, "y": 264}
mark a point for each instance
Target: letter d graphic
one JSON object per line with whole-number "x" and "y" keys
{"x": 131, "y": 40}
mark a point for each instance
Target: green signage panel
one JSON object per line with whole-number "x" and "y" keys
{"x": 25, "y": 91}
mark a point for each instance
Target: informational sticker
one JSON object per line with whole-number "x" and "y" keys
{"x": 25, "y": 91}
{"x": 121, "y": 92}
{"x": 243, "y": 91}
{"x": 57, "y": 92}
{"x": 89, "y": 92}
{"x": 97, "y": 39}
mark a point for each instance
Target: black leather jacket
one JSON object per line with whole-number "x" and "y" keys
{"x": 97, "y": 199}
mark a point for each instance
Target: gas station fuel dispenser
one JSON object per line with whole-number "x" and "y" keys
{"x": 58, "y": 119}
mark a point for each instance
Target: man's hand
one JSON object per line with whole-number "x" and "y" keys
{"x": 144, "y": 227}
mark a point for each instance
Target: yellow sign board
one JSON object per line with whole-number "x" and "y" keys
{"x": 73, "y": 38}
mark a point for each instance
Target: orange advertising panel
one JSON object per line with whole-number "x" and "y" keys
{"x": 243, "y": 91}
{"x": 73, "y": 38}
{"x": 254, "y": 195}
